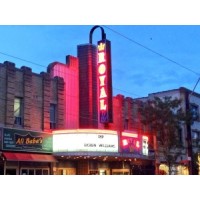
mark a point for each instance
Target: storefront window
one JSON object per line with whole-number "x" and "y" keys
{"x": 11, "y": 171}
{"x": 24, "y": 172}
{"x": 163, "y": 169}
{"x": 38, "y": 172}
{"x": 120, "y": 171}
{"x": 182, "y": 170}
{"x": 45, "y": 172}
{"x": 34, "y": 172}
{"x": 31, "y": 171}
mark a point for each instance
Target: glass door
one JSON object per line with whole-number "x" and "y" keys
{"x": 30, "y": 171}
{"x": 11, "y": 171}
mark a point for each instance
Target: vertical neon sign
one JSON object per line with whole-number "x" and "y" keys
{"x": 104, "y": 81}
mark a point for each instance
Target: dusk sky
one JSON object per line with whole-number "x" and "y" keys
{"x": 138, "y": 67}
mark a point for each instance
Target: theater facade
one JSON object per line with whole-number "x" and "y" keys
{"x": 66, "y": 120}
{"x": 101, "y": 152}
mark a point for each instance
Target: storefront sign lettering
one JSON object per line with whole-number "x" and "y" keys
{"x": 22, "y": 140}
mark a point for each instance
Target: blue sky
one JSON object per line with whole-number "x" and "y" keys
{"x": 136, "y": 70}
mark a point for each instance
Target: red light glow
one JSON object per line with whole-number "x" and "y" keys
{"x": 124, "y": 142}
{"x": 102, "y": 76}
{"x": 137, "y": 144}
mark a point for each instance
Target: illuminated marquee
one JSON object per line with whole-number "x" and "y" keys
{"x": 85, "y": 141}
{"x": 133, "y": 142}
{"x": 104, "y": 82}
{"x": 130, "y": 142}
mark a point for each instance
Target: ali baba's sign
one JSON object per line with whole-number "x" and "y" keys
{"x": 21, "y": 140}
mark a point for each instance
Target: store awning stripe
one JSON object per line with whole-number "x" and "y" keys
{"x": 10, "y": 156}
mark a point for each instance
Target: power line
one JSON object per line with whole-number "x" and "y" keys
{"x": 153, "y": 51}
{"x": 34, "y": 63}
{"x": 22, "y": 59}
{"x": 131, "y": 40}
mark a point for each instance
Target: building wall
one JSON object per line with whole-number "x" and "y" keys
{"x": 191, "y": 144}
{"x": 88, "y": 115}
{"x": 70, "y": 74}
{"x": 36, "y": 92}
{"x": 126, "y": 115}
{"x": 2, "y": 94}
{"x": 118, "y": 114}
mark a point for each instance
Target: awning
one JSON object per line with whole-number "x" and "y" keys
{"x": 185, "y": 162}
{"x": 10, "y": 156}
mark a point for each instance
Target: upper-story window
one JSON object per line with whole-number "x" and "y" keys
{"x": 180, "y": 135}
{"x": 126, "y": 124}
{"x": 195, "y": 135}
{"x": 195, "y": 111}
{"x": 52, "y": 116}
{"x": 195, "y": 138}
{"x": 18, "y": 111}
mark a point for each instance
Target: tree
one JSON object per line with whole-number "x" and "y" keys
{"x": 196, "y": 163}
{"x": 163, "y": 117}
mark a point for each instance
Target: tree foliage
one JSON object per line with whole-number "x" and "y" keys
{"x": 163, "y": 117}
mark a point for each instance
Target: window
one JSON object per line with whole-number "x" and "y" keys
{"x": 52, "y": 116}
{"x": 195, "y": 138}
{"x": 38, "y": 172}
{"x": 195, "y": 135}
{"x": 33, "y": 171}
{"x": 126, "y": 124}
{"x": 195, "y": 112}
{"x": 18, "y": 111}
{"x": 180, "y": 137}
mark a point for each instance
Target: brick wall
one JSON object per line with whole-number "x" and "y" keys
{"x": 37, "y": 92}
{"x": 10, "y": 93}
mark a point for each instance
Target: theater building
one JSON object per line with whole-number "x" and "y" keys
{"x": 107, "y": 140}
{"x": 88, "y": 113}
{"x": 69, "y": 72}
{"x": 66, "y": 121}
{"x": 95, "y": 151}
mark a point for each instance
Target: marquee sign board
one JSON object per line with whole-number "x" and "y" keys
{"x": 85, "y": 142}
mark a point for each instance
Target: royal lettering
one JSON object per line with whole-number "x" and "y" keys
{"x": 103, "y": 106}
{"x": 101, "y": 57}
{"x": 102, "y": 69}
{"x": 102, "y": 80}
{"x": 102, "y": 83}
{"x": 102, "y": 93}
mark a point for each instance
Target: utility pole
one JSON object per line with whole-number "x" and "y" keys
{"x": 188, "y": 94}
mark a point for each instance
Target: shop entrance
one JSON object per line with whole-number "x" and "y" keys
{"x": 30, "y": 171}
{"x": 66, "y": 171}
{"x": 11, "y": 171}
{"x": 93, "y": 172}
{"x": 120, "y": 172}
{"x": 1, "y": 170}
{"x": 102, "y": 172}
